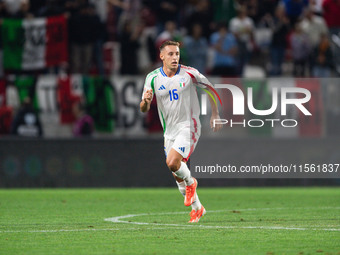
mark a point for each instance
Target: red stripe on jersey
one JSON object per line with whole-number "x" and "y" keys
{"x": 189, "y": 68}
{"x": 194, "y": 80}
{"x": 194, "y": 140}
{"x": 195, "y": 124}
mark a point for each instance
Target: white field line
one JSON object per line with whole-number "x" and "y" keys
{"x": 57, "y": 230}
{"x": 118, "y": 219}
{"x": 77, "y": 230}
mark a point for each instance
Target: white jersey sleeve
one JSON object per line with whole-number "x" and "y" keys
{"x": 199, "y": 79}
{"x": 149, "y": 83}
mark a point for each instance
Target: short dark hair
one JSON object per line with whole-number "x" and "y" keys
{"x": 166, "y": 43}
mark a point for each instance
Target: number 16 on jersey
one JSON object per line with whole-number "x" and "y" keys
{"x": 173, "y": 94}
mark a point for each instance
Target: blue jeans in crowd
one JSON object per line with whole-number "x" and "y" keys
{"x": 277, "y": 55}
{"x": 321, "y": 72}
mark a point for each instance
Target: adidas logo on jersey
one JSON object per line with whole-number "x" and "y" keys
{"x": 182, "y": 148}
{"x": 161, "y": 87}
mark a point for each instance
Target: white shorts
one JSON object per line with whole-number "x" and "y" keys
{"x": 184, "y": 143}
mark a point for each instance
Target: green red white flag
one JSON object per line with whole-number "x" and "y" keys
{"x": 32, "y": 44}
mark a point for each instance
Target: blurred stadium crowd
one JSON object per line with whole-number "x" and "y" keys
{"x": 95, "y": 41}
{"x": 218, "y": 37}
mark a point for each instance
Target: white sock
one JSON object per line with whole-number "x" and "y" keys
{"x": 181, "y": 187}
{"x": 184, "y": 173}
{"x": 196, "y": 205}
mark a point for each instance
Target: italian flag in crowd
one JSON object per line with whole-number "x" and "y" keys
{"x": 57, "y": 95}
{"x": 31, "y": 44}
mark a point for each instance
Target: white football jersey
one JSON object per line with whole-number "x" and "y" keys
{"x": 177, "y": 100}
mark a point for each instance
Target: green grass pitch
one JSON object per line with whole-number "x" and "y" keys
{"x": 154, "y": 221}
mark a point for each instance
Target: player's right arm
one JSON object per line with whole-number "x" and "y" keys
{"x": 148, "y": 92}
{"x": 146, "y": 101}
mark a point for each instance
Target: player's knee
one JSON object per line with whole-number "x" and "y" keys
{"x": 173, "y": 164}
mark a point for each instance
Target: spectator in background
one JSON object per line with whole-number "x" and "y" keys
{"x": 202, "y": 14}
{"x": 323, "y": 64}
{"x": 84, "y": 31}
{"x": 12, "y": 7}
{"x": 301, "y": 48}
{"x": 132, "y": 12}
{"x": 196, "y": 46}
{"x": 26, "y": 122}
{"x": 225, "y": 49}
{"x": 84, "y": 124}
{"x": 129, "y": 45}
{"x": 148, "y": 53}
{"x": 167, "y": 10}
{"x": 242, "y": 27}
{"x": 294, "y": 9}
{"x": 17, "y": 8}
{"x": 331, "y": 13}
{"x": 116, "y": 8}
{"x": 267, "y": 7}
{"x": 171, "y": 34}
{"x": 280, "y": 27}
{"x": 323, "y": 58}
{"x": 126, "y": 10}
{"x": 223, "y": 10}
{"x": 252, "y": 8}
{"x": 3, "y": 11}
{"x": 50, "y": 8}
{"x": 99, "y": 41}
{"x": 101, "y": 9}
{"x": 71, "y": 7}
{"x": 36, "y": 5}
{"x": 314, "y": 26}
{"x": 316, "y": 6}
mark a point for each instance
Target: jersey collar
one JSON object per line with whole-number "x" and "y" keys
{"x": 163, "y": 73}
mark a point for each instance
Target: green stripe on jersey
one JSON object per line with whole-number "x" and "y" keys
{"x": 153, "y": 84}
{"x": 164, "y": 125}
{"x": 156, "y": 71}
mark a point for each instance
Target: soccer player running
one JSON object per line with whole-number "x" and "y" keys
{"x": 178, "y": 107}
